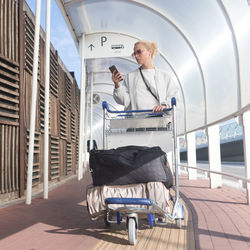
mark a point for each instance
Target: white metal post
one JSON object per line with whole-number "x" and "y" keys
{"x": 191, "y": 156}
{"x": 33, "y": 104}
{"x": 214, "y": 156}
{"x": 82, "y": 109}
{"x": 86, "y": 130}
{"x": 91, "y": 111}
{"x": 178, "y": 154}
{"x": 246, "y": 140}
{"x": 46, "y": 112}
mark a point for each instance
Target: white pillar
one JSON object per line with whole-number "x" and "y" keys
{"x": 246, "y": 140}
{"x": 33, "y": 104}
{"x": 191, "y": 156}
{"x": 91, "y": 111}
{"x": 178, "y": 154}
{"x": 82, "y": 110}
{"x": 86, "y": 122}
{"x": 214, "y": 156}
{"x": 46, "y": 112}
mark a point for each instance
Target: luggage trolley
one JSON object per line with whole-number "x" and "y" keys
{"x": 155, "y": 214}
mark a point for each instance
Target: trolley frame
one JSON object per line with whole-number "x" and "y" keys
{"x": 152, "y": 209}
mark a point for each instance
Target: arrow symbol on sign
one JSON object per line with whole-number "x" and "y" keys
{"x": 91, "y": 46}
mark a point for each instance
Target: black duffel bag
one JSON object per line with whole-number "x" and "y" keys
{"x": 129, "y": 165}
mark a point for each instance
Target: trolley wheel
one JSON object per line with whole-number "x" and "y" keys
{"x": 132, "y": 231}
{"x": 179, "y": 223}
{"x": 107, "y": 224}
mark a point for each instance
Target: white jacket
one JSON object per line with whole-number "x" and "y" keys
{"x": 166, "y": 89}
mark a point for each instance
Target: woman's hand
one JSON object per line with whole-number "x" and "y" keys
{"x": 159, "y": 108}
{"x": 116, "y": 78}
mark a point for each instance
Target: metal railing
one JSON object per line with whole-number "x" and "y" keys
{"x": 217, "y": 172}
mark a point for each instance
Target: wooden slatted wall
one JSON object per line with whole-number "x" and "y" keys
{"x": 9, "y": 98}
{"x": 29, "y": 33}
{"x": 64, "y": 105}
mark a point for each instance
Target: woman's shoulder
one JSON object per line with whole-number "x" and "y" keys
{"x": 163, "y": 71}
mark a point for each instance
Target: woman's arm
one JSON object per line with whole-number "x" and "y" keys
{"x": 121, "y": 93}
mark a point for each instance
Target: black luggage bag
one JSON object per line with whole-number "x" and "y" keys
{"x": 129, "y": 165}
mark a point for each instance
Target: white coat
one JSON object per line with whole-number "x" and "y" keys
{"x": 165, "y": 86}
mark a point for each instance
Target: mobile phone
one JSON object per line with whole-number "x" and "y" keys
{"x": 113, "y": 69}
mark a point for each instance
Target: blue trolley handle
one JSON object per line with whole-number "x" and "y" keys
{"x": 106, "y": 106}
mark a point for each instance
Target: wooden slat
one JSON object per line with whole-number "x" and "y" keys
{"x": 9, "y": 29}
{"x": 10, "y": 92}
{"x": 4, "y": 106}
{"x": 9, "y": 123}
{"x": 6, "y": 98}
{"x": 5, "y": 28}
{"x": 17, "y": 166}
{"x": 5, "y": 166}
{"x": 4, "y": 114}
{"x": 1, "y": 29}
{"x": 12, "y": 77}
{"x": 2, "y": 151}
{"x": 11, "y": 84}
{"x": 13, "y": 150}
{"x": 3, "y": 57}
{"x": 12, "y": 69}
{"x": 13, "y": 30}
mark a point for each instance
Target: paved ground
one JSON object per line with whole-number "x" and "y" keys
{"x": 61, "y": 222}
{"x": 221, "y": 220}
{"x": 221, "y": 216}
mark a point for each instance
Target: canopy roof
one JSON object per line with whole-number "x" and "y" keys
{"x": 203, "y": 45}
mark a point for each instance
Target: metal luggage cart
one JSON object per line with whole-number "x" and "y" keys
{"x": 118, "y": 128}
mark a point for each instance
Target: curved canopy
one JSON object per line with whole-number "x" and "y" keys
{"x": 203, "y": 45}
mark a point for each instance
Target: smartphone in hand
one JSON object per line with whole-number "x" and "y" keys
{"x": 114, "y": 69}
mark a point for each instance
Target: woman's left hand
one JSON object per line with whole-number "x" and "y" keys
{"x": 158, "y": 109}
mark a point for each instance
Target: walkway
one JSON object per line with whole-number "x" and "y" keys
{"x": 220, "y": 217}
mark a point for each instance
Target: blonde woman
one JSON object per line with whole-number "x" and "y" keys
{"x": 147, "y": 87}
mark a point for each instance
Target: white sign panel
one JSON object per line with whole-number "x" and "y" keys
{"x": 101, "y": 45}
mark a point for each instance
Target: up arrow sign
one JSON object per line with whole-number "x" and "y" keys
{"x": 91, "y": 46}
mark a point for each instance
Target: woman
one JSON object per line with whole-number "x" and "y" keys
{"x": 146, "y": 87}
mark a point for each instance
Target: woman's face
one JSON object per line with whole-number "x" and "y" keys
{"x": 142, "y": 54}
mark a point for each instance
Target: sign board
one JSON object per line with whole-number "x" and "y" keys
{"x": 99, "y": 45}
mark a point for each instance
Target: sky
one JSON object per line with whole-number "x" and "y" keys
{"x": 60, "y": 36}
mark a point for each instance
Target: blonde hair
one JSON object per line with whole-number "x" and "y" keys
{"x": 149, "y": 46}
